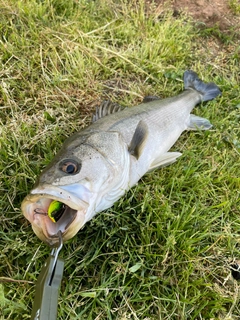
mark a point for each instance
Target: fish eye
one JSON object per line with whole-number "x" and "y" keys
{"x": 69, "y": 166}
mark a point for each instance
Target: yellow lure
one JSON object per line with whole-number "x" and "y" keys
{"x": 55, "y": 210}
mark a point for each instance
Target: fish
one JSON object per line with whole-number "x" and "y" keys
{"x": 97, "y": 165}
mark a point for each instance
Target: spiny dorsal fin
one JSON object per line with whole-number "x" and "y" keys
{"x": 138, "y": 140}
{"x": 106, "y": 107}
{"x": 150, "y": 98}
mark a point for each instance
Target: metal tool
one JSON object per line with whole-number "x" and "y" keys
{"x": 47, "y": 286}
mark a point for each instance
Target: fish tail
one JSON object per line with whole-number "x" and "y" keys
{"x": 208, "y": 91}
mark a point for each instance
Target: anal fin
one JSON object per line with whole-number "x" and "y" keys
{"x": 198, "y": 123}
{"x": 164, "y": 160}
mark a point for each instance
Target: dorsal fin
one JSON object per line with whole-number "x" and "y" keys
{"x": 150, "y": 98}
{"x": 106, "y": 107}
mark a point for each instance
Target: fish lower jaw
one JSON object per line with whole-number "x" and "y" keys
{"x": 69, "y": 228}
{"x": 69, "y": 224}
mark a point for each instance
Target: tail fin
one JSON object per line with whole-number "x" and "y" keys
{"x": 209, "y": 91}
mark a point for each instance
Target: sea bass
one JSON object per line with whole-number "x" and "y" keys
{"x": 97, "y": 165}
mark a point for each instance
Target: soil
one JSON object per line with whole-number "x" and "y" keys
{"x": 210, "y": 12}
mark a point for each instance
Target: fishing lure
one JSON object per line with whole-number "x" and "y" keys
{"x": 55, "y": 210}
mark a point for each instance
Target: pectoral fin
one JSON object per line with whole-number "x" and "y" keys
{"x": 164, "y": 160}
{"x": 138, "y": 140}
{"x": 198, "y": 123}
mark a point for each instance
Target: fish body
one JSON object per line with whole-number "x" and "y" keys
{"x": 97, "y": 165}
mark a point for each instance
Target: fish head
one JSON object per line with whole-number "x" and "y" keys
{"x": 75, "y": 182}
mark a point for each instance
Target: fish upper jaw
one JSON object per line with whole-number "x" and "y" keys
{"x": 65, "y": 194}
{"x": 35, "y": 209}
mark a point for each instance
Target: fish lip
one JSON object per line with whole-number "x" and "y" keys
{"x": 44, "y": 228}
{"x": 59, "y": 194}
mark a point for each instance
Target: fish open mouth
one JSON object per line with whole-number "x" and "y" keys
{"x": 61, "y": 217}
{"x": 54, "y": 211}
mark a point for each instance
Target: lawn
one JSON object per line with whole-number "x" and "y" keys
{"x": 164, "y": 250}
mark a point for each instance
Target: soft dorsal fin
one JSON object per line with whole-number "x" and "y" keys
{"x": 150, "y": 98}
{"x": 138, "y": 140}
{"x": 106, "y": 107}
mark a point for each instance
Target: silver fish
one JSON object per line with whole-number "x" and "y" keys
{"x": 97, "y": 165}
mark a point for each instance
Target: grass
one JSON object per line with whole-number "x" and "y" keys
{"x": 235, "y": 6}
{"x": 164, "y": 250}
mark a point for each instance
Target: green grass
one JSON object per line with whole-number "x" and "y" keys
{"x": 162, "y": 251}
{"x": 234, "y": 6}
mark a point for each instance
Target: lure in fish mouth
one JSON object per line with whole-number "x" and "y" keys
{"x": 48, "y": 213}
{"x": 97, "y": 165}
{"x": 56, "y": 210}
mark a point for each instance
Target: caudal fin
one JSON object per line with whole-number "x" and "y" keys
{"x": 208, "y": 91}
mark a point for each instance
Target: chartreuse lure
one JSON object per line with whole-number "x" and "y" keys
{"x": 55, "y": 210}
